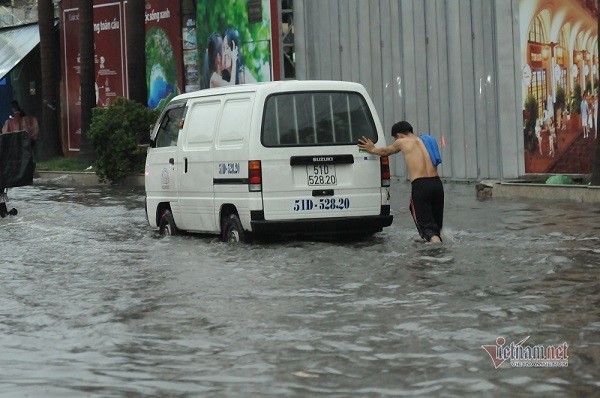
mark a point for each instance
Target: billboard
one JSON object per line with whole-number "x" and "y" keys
{"x": 109, "y": 45}
{"x": 163, "y": 52}
{"x": 233, "y": 37}
{"x": 234, "y": 42}
{"x": 163, "y": 55}
{"x": 559, "y": 59}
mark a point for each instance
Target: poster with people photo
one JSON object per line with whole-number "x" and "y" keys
{"x": 559, "y": 60}
{"x": 234, "y": 42}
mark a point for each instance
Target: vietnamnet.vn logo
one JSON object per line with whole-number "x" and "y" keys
{"x": 521, "y": 356}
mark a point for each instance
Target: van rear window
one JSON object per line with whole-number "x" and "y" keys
{"x": 316, "y": 118}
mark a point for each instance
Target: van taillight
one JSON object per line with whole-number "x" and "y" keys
{"x": 384, "y": 161}
{"x": 254, "y": 176}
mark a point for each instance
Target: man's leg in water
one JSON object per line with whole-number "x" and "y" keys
{"x": 422, "y": 214}
{"x": 438, "y": 208}
{"x": 3, "y": 209}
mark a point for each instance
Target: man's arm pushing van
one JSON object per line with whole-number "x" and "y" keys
{"x": 270, "y": 159}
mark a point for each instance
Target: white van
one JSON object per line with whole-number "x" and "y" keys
{"x": 268, "y": 158}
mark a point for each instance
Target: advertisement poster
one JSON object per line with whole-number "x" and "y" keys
{"x": 109, "y": 43}
{"x": 163, "y": 57}
{"x": 234, "y": 42}
{"x": 190, "y": 56}
{"x": 163, "y": 52}
{"x": 559, "y": 58}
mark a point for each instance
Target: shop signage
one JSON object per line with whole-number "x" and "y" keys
{"x": 535, "y": 56}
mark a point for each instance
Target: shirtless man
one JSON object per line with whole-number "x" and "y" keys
{"x": 427, "y": 193}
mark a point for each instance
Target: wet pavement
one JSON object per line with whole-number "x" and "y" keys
{"x": 94, "y": 303}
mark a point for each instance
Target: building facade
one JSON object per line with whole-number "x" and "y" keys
{"x": 500, "y": 83}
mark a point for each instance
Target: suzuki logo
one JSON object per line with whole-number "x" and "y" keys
{"x": 323, "y": 159}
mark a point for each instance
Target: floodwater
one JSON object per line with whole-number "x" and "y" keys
{"x": 94, "y": 303}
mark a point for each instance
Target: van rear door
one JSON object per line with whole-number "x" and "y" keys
{"x": 312, "y": 167}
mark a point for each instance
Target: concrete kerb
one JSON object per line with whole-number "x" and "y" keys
{"x": 575, "y": 193}
{"x": 81, "y": 179}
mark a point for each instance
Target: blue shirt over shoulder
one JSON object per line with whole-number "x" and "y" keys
{"x": 432, "y": 147}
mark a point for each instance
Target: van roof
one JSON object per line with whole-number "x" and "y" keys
{"x": 277, "y": 86}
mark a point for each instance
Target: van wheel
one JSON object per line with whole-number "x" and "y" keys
{"x": 166, "y": 226}
{"x": 233, "y": 232}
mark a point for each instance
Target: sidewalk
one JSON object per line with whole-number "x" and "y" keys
{"x": 81, "y": 179}
{"x": 575, "y": 193}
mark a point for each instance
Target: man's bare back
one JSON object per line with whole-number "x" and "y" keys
{"x": 416, "y": 157}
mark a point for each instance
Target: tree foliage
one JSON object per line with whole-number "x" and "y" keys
{"x": 561, "y": 98}
{"x": 114, "y": 133}
{"x": 530, "y": 116}
{"x": 577, "y": 97}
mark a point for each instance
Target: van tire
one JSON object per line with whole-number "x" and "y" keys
{"x": 233, "y": 231}
{"x": 166, "y": 225}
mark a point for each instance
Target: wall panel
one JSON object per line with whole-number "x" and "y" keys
{"x": 447, "y": 66}
{"x": 467, "y": 39}
{"x": 456, "y": 136}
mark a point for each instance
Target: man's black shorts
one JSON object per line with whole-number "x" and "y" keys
{"x": 427, "y": 206}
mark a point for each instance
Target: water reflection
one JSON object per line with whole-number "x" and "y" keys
{"x": 95, "y": 303}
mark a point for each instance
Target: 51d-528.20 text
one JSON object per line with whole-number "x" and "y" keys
{"x": 322, "y": 204}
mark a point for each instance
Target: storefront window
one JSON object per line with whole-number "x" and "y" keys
{"x": 536, "y": 34}
{"x": 538, "y": 89}
{"x": 561, "y": 60}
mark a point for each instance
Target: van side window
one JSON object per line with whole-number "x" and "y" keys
{"x": 170, "y": 125}
{"x": 235, "y": 122}
{"x": 202, "y": 120}
{"x": 316, "y": 118}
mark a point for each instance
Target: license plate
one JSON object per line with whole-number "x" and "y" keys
{"x": 321, "y": 174}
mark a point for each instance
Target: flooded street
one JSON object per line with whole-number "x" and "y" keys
{"x": 94, "y": 303}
